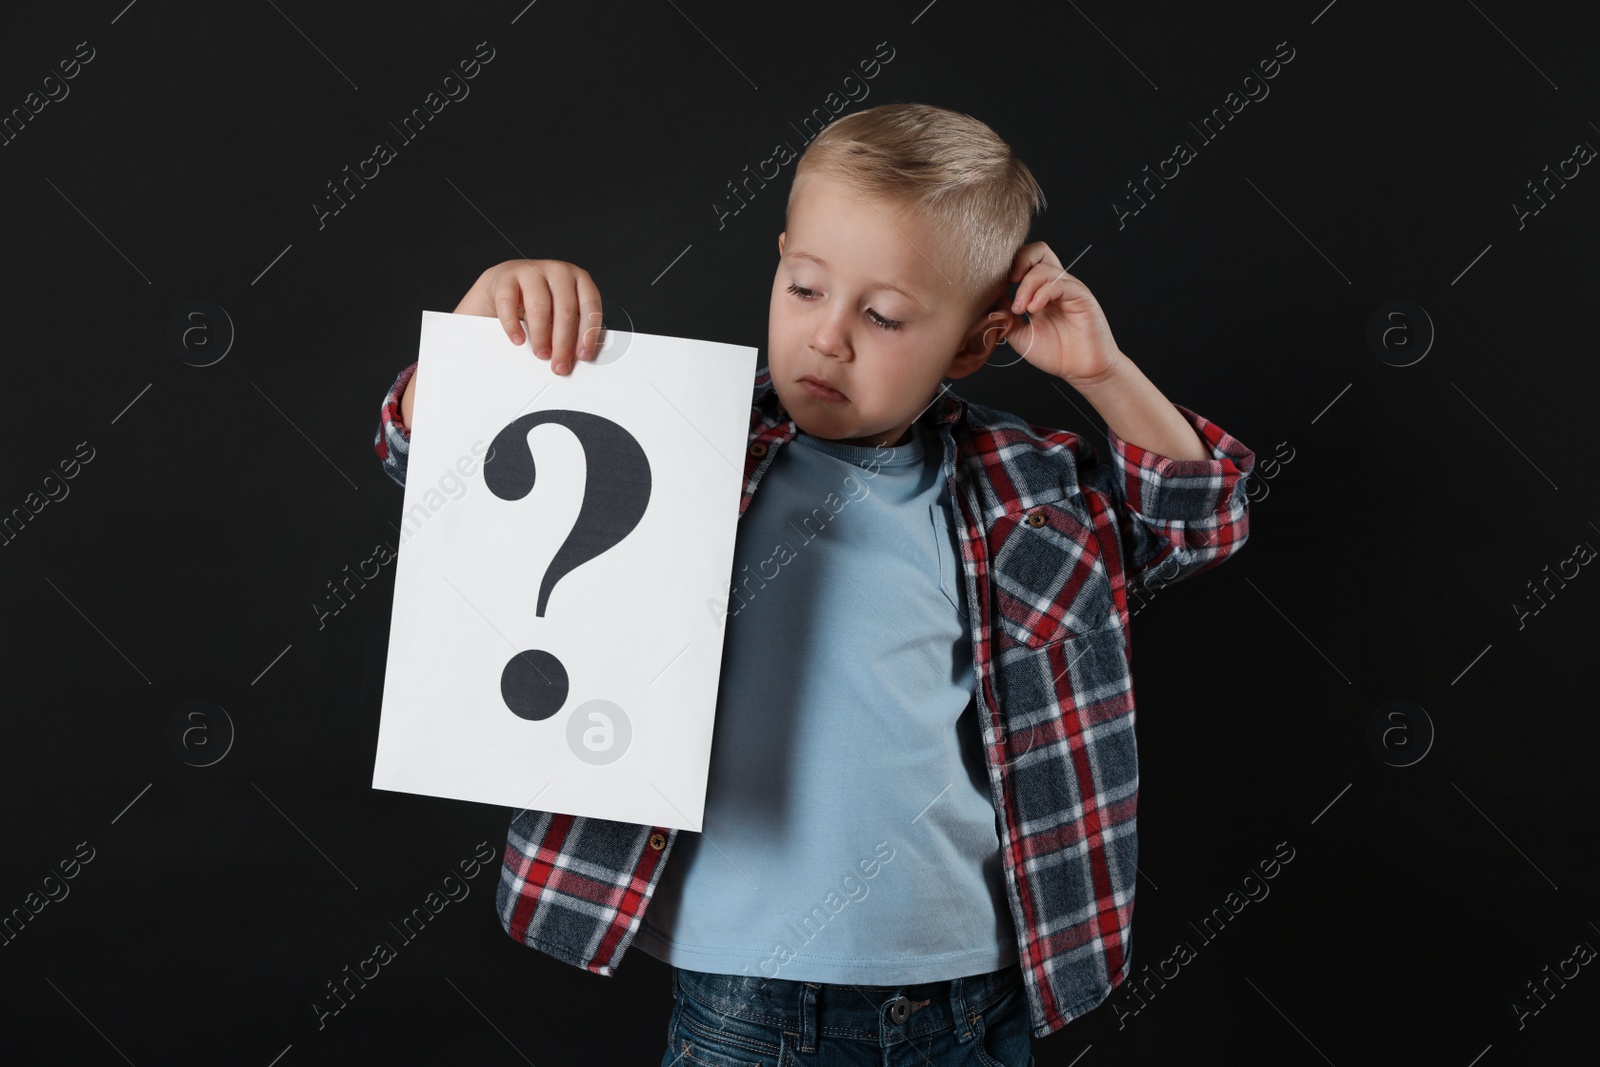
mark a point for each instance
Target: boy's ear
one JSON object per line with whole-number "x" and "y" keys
{"x": 981, "y": 338}
{"x": 780, "y": 242}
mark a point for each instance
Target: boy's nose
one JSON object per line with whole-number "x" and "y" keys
{"x": 830, "y": 341}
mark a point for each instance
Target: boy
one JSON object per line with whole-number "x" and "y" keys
{"x": 924, "y": 778}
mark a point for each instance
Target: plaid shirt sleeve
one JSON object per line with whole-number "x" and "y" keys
{"x": 1181, "y": 515}
{"x": 393, "y": 440}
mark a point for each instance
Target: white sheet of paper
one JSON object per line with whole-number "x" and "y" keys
{"x": 603, "y": 705}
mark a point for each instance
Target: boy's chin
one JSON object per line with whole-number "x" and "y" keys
{"x": 808, "y": 426}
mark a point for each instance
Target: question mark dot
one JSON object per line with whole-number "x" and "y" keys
{"x": 534, "y": 685}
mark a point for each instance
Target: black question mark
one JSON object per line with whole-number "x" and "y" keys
{"x": 616, "y": 490}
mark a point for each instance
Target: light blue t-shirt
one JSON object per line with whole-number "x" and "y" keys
{"x": 849, "y": 835}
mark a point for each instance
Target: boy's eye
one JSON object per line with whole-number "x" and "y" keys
{"x": 877, "y": 319}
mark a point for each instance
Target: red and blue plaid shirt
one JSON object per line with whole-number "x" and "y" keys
{"x": 1053, "y": 543}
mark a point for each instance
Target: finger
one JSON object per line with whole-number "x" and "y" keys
{"x": 1021, "y": 336}
{"x": 1042, "y": 285}
{"x": 536, "y": 309}
{"x": 505, "y": 307}
{"x": 589, "y": 306}
{"x": 1026, "y": 290}
{"x": 564, "y": 321}
{"x": 1029, "y": 255}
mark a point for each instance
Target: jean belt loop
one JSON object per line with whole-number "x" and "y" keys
{"x": 958, "y": 1010}
{"x": 808, "y": 1017}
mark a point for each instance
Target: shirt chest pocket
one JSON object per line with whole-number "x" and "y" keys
{"x": 944, "y": 553}
{"x": 1049, "y": 574}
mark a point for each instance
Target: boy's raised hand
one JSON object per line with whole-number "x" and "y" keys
{"x": 549, "y": 295}
{"x": 1066, "y": 333}
{"x": 558, "y": 300}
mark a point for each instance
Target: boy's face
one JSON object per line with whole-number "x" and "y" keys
{"x": 844, "y": 254}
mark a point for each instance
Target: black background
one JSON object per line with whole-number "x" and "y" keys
{"x": 1383, "y": 564}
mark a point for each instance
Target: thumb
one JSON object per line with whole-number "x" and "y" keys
{"x": 1020, "y": 335}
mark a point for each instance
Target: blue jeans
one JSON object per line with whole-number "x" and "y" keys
{"x": 731, "y": 1020}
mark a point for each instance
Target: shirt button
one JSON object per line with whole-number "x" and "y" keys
{"x": 1036, "y": 520}
{"x": 758, "y": 449}
{"x": 658, "y": 842}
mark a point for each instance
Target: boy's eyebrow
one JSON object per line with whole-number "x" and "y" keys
{"x": 819, "y": 261}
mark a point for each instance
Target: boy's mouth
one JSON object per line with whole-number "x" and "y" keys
{"x": 820, "y": 389}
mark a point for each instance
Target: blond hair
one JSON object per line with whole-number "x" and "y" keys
{"x": 950, "y": 169}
